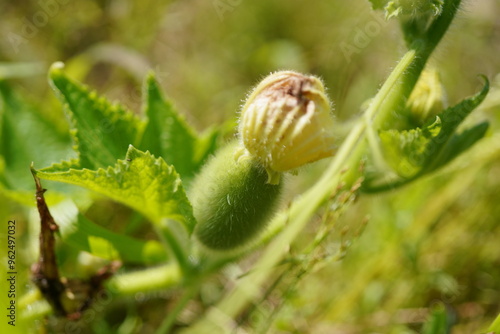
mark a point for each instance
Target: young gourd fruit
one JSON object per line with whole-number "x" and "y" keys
{"x": 284, "y": 124}
{"x": 232, "y": 200}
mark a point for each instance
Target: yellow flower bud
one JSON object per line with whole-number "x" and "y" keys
{"x": 428, "y": 97}
{"x": 286, "y": 123}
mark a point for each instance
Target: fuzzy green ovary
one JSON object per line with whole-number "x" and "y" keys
{"x": 232, "y": 200}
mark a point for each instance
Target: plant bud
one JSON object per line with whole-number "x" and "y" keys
{"x": 286, "y": 123}
{"x": 427, "y": 98}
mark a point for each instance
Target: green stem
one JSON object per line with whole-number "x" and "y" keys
{"x": 389, "y": 86}
{"x": 169, "y": 321}
{"x": 32, "y": 306}
{"x": 375, "y": 108}
{"x": 172, "y": 241}
{"x": 151, "y": 279}
{"x": 423, "y": 48}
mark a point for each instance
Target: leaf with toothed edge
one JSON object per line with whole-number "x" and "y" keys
{"x": 168, "y": 135}
{"x": 141, "y": 181}
{"x": 413, "y": 153}
{"x": 101, "y": 131}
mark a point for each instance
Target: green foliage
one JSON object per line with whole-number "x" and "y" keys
{"x": 459, "y": 143}
{"x": 169, "y": 136}
{"x": 140, "y": 181}
{"x": 407, "y": 257}
{"x": 82, "y": 234}
{"x": 101, "y": 131}
{"x": 406, "y": 151}
{"x": 416, "y": 152}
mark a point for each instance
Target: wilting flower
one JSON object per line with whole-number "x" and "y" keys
{"x": 286, "y": 123}
{"x": 428, "y": 97}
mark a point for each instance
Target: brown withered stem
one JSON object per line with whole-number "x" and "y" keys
{"x": 46, "y": 273}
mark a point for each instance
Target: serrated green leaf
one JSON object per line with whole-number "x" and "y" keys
{"x": 64, "y": 166}
{"x": 453, "y": 116}
{"x": 102, "y": 131}
{"x": 447, "y": 145}
{"x": 459, "y": 143}
{"x": 168, "y": 135}
{"x": 415, "y": 152}
{"x": 25, "y": 136}
{"x": 406, "y": 151}
{"x": 141, "y": 181}
{"x": 83, "y": 234}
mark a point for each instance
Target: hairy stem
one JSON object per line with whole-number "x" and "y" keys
{"x": 169, "y": 321}
{"x": 162, "y": 277}
{"x": 423, "y": 48}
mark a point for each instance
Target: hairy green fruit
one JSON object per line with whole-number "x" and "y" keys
{"x": 232, "y": 200}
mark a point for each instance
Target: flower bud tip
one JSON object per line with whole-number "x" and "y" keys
{"x": 286, "y": 123}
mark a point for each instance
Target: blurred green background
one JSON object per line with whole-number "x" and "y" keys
{"x": 436, "y": 241}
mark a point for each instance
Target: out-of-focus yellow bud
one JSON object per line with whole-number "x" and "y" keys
{"x": 428, "y": 97}
{"x": 286, "y": 123}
